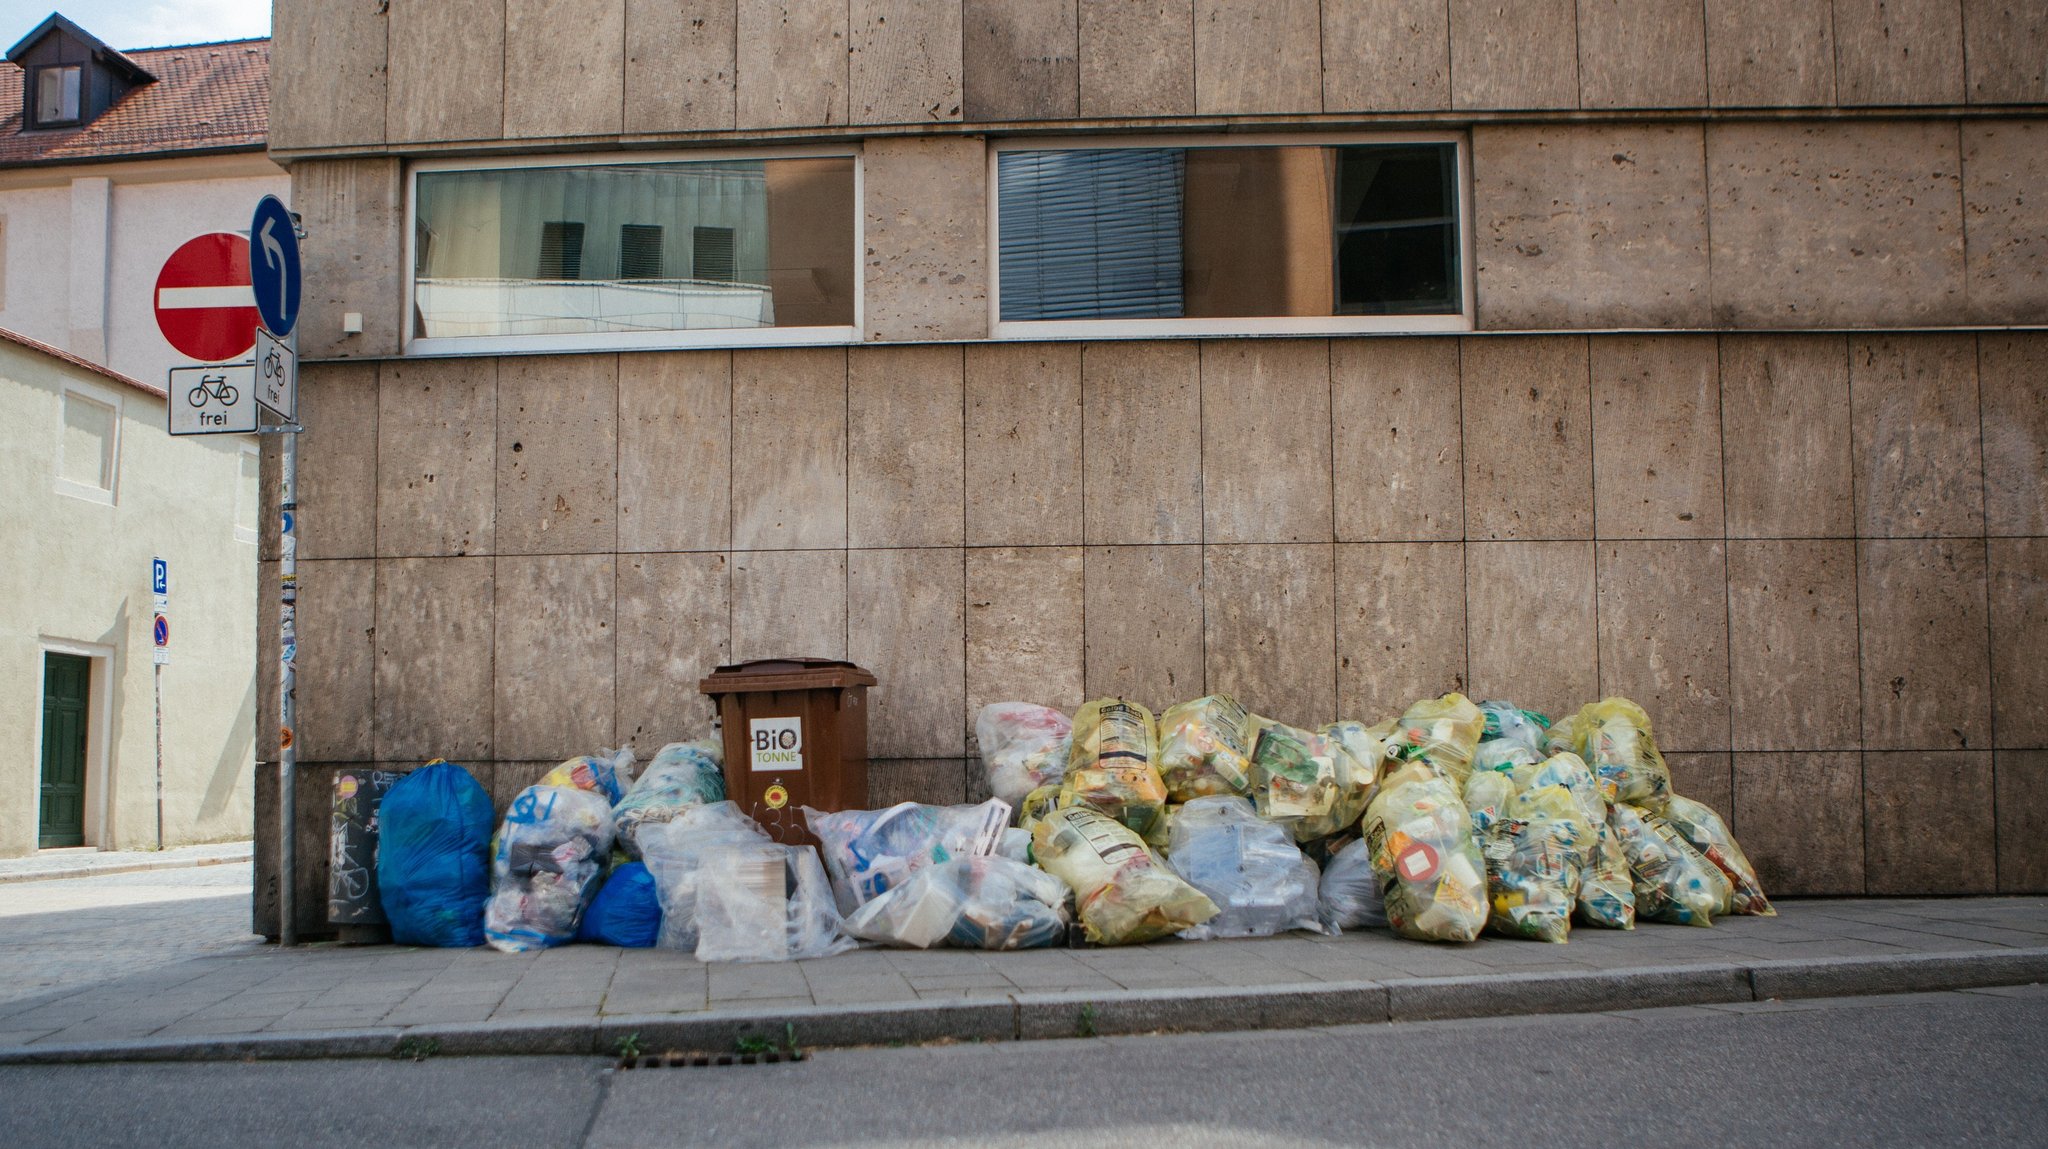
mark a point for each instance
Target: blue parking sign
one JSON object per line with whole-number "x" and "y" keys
{"x": 159, "y": 577}
{"x": 274, "y": 266}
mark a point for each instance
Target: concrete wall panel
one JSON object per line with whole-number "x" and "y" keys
{"x": 1021, "y": 59}
{"x": 904, "y": 64}
{"x": 564, "y": 67}
{"x": 2013, "y": 377}
{"x": 1792, "y": 644}
{"x": 1664, "y": 636}
{"x": 1023, "y": 444}
{"x": 1531, "y": 623}
{"x": 1926, "y": 662}
{"x": 675, "y": 451}
{"x": 1397, "y": 460}
{"x": 904, "y": 457}
{"x": 1268, "y": 636}
{"x": 1657, "y": 437}
{"x": 926, "y": 259}
{"x": 788, "y": 604}
{"x": 556, "y": 664}
{"x": 1528, "y": 439}
{"x": 2005, "y": 165}
{"x": 1025, "y": 638}
{"x": 2020, "y": 781}
{"x": 1918, "y": 436}
{"x": 1596, "y": 226}
{"x": 681, "y": 65}
{"x": 1642, "y": 54}
{"x": 1266, "y": 441}
{"x": 1855, "y": 224}
{"x": 1522, "y": 55}
{"x": 2006, "y": 51}
{"x": 1802, "y": 820}
{"x": 434, "y": 658}
{"x": 354, "y": 213}
{"x": 2019, "y": 632}
{"x": 905, "y": 622}
{"x": 1137, "y": 58}
{"x": 1928, "y": 823}
{"x": 792, "y": 63}
{"x": 447, "y": 71}
{"x": 437, "y": 452}
{"x": 1400, "y": 626}
{"x": 1386, "y": 55}
{"x": 1899, "y": 51}
{"x": 1142, "y": 429}
{"x": 675, "y": 627}
{"x": 789, "y": 449}
{"x": 558, "y": 454}
{"x": 1142, "y": 607}
{"x": 337, "y": 662}
{"x": 1785, "y": 446}
{"x": 338, "y": 463}
{"x": 1766, "y": 53}
{"x": 1258, "y": 56}
{"x": 327, "y": 74}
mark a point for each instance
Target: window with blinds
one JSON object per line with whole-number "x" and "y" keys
{"x": 1232, "y": 232}
{"x": 561, "y": 250}
{"x": 640, "y": 251}
{"x": 712, "y": 254}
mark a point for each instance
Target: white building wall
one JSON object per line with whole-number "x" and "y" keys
{"x": 74, "y": 576}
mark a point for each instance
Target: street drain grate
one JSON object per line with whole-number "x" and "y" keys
{"x": 709, "y": 1060}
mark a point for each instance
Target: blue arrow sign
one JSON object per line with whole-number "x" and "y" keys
{"x": 274, "y": 266}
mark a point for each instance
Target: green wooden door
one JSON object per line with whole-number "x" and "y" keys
{"x": 62, "y": 818}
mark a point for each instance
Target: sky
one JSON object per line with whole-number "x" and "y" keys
{"x": 127, "y": 24}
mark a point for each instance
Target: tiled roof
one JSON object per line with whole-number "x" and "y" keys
{"x": 207, "y": 97}
{"x": 75, "y": 361}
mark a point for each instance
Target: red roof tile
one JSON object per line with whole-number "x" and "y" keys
{"x": 207, "y": 97}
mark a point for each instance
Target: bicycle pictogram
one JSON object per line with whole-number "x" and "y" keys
{"x": 215, "y": 387}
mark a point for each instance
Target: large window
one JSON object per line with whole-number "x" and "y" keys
{"x": 57, "y": 93}
{"x": 1230, "y": 238}
{"x": 673, "y": 253}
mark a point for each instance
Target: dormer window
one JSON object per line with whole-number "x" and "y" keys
{"x": 57, "y": 90}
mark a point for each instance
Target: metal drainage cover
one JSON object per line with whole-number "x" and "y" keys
{"x": 708, "y": 1060}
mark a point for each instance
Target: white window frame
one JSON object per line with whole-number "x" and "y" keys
{"x": 635, "y": 340}
{"x": 110, "y": 494}
{"x": 999, "y": 328}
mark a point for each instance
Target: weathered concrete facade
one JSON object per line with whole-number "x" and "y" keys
{"x": 1753, "y": 426}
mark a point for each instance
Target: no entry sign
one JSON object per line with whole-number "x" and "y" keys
{"x": 204, "y": 304}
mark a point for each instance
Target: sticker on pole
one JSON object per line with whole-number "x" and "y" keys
{"x": 205, "y": 305}
{"x": 776, "y": 743}
{"x": 217, "y": 400}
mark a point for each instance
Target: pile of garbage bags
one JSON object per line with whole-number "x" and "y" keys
{"x": 1444, "y": 822}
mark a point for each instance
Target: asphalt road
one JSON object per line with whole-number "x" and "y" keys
{"x": 1927, "y": 1069}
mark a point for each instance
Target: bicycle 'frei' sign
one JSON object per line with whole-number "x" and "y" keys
{"x": 205, "y": 305}
{"x": 214, "y": 400}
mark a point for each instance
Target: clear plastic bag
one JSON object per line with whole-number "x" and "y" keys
{"x": 674, "y": 853}
{"x": 607, "y": 772}
{"x": 766, "y": 902}
{"x": 1123, "y": 894}
{"x": 1349, "y": 895}
{"x": 1023, "y": 747}
{"x": 1250, "y": 868}
{"x": 1699, "y": 825}
{"x": 1506, "y": 722}
{"x": 1204, "y": 748}
{"x": 1613, "y": 736}
{"x": 1487, "y": 793}
{"x": 1674, "y": 882}
{"x": 1534, "y": 856}
{"x": 545, "y": 864}
{"x": 1293, "y": 771}
{"x": 1606, "y": 893}
{"x": 1113, "y": 766}
{"x": 869, "y": 852}
{"x": 1432, "y": 876}
{"x": 991, "y": 903}
{"x": 1015, "y": 844}
{"x": 1441, "y": 731}
{"x": 682, "y": 774}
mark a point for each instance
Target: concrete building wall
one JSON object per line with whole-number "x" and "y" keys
{"x": 75, "y": 577}
{"x": 83, "y": 245}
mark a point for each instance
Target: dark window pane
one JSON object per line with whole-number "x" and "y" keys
{"x": 640, "y": 251}
{"x": 1397, "y": 231}
{"x": 1090, "y": 234}
{"x": 561, "y": 250}
{"x": 711, "y": 254}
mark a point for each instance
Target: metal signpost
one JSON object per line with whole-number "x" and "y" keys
{"x": 213, "y": 305}
{"x": 160, "y": 631}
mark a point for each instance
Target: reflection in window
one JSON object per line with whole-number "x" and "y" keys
{"x": 57, "y": 94}
{"x": 583, "y": 250}
{"x": 1229, "y": 232}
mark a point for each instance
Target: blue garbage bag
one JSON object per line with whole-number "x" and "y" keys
{"x": 626, "y": 912}
{"x": 434, "y": 857}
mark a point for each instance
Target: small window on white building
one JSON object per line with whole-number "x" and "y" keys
{"x": 248, "y": 496}
{"x": 86, "y": 454}
{"x": 57, "y": 95}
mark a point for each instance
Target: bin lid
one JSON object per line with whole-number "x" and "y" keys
{"x": 763, "y": 674}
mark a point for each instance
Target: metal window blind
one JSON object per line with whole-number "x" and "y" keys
{"x": 640, "y": 251}
{"x": 1090, "y": 234}
{"x": 712, "y": 254}
{"x": 561, "y": 250}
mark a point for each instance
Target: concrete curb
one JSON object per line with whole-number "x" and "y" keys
{"x": 1024, "y": 1017}
{"x": 135, "y": 867}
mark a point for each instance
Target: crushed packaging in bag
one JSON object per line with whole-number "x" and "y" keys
{"x": 1112, "y": 766}
{"x": 1357, "y": 754}
{"x": 1707, "y": 833}
{"x": 1441, "y": 731}
{"x": 1023, "y": 747}
{"x": 607, "y": 772}
{"x": 1506, "y": 722}
{"x": 1432, "y": 877}
{"x": 990, "y": 903}
{"x": 1293, "y": 771}
{"x": 1349, "y": 896}
{"x": 1674, "y": 882}
{"x": 674, "y": 851}
{"x": 1534, "y": 856}
{"x": 1614, "y": 737}
{"x": 766, "y": 902}
{"x": 545, "y": 862}
{"x": 869, "y": 852}
{"x": 1486, "y": 799}
{"x": 1249, "y": 867}
{"x": 682, "y": 774}
{"x": 1204, "y": 748}
{"x": 1606, "y": 893}
{"x": 1123, "y": 894}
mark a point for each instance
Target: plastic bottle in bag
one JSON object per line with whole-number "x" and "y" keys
{"x": 1506, "y": 722}
{"x": 1534, "y": 856}
{"x": 1250, "y": 868}
{"x": 1023, "y": 747}
{"x": 1697, "y": 823}
{"x": 674, "y": 851}
{"x": 1674, "y": 882}
{"x": 1349, "y": 895}
{"x": 766, "y": 902}
{"x": 1204, "y": 748}
{"x": 682, "y": 774}
{"x": 1432, "y": 876}
{"x": 1123, "y": 894}
{"x": 434, "y": 857}
{"x": 868, "y": 852}
{"x": 1441, "y": 731}
{"x": 1614, "y": 737}
{"x": 1113, "y": 767}
{"x": 991, "y": 903}
{"x": 545, "y": 864}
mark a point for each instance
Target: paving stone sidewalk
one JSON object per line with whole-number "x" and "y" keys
{"x": 254, "y": 990}
{"x": 87, "y": 862}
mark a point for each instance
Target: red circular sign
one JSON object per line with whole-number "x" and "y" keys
{"x": 204, "y": 304}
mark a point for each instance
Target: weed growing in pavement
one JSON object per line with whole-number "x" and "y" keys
{"x": 629, "y": 1046}
{"x": 1086, "y": 1027}
{"x": 752, "y": 1044}
{"x": 416, "y": 1048}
